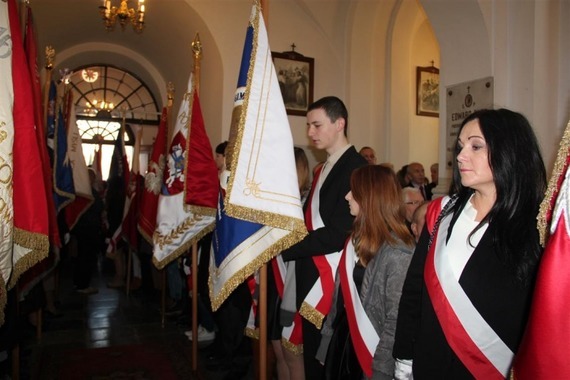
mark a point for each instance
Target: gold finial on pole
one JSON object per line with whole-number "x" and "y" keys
{"x": 197, "y": 50}
{"x": 50, "y": 57}
{"x": 169, "y": 94}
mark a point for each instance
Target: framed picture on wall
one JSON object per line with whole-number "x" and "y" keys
{"x": 427, "y": 91}
{"x": 295, "y": 73}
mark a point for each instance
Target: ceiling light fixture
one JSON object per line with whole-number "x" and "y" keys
{"x": 124, "y": 14}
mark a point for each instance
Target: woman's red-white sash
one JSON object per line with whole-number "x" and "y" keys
{"x": 364, "y": 337}
{"x": 470, "y": 337}
{"x": 317, "y": 303}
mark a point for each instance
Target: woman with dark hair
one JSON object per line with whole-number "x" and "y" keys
{"x": 358, "y": 334}
{"x": 467, "y": 293}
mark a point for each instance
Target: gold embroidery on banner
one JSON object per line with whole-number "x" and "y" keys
{"x": 242, "y": 274}
{"x": 238, "y": 124}
{"x": 312, "y": 315}
{"x": 38, "y": 244}
{"x": 545, "y": 214}
{"x": 296, "y": 349}
{"x": 162, "y": 240}
{"x": 268, "y": 218}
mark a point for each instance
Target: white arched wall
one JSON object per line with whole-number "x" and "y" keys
{"x": 390, "y": 30}
{"x": 388, "y": 40}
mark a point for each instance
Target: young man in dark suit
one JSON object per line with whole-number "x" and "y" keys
{"x": 327, "y": 217}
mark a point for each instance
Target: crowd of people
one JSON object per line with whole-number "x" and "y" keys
{"x": 422, "y": 286}
{"x": 414, "y": 285}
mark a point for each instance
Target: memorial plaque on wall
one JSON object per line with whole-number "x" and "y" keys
{"x": 462, "y": 100}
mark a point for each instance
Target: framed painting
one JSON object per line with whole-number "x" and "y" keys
{"x": 427, "y": 91}
{"x": 295, "y": 73}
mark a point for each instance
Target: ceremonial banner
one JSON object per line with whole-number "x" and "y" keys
{"x": 153, "y": 180}
{"x": 64, "y": 191}
{"x": 186, "y": 210}
{"x": 36, "y": 273}
{"x": 117, "y": 184}
{"x": 31, "y": 241}
{"x": 543, "y": 351}
{"x": 75, "y": 158}
{"x": 119, "y": 169}
{"x": 6, "y": 146}
{"x": 31, "y": 52}
{"x": 259, "y": 212}
{"x": 127, "y": 230}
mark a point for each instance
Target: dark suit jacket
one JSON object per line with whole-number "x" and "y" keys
{"x": 427, "y": 188}
{"x": 336, "y": 219}
{"x": 491, "y": 287}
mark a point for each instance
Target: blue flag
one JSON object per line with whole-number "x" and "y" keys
{"x": 259, "y": 208}
{"x": 64, "y": 191}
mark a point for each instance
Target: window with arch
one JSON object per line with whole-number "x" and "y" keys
{"x": 105, "y": 97}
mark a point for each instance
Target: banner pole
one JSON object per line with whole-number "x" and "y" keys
{"x": 263, "y": 269}
{"x": 197, "y": 53}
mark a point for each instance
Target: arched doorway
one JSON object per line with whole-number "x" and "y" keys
{"x": 105, "y": 97}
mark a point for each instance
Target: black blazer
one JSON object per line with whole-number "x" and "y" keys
{"x": 493, "y": 290}
{"x": 336, "y": 219}
{"x": 427, "y": 189}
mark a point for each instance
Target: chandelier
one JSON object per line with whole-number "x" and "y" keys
{"x": 124, "y": 14}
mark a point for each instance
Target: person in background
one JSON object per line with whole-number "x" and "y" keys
{"x": 434, "y": 174}
{"x": 403, "y": 176}
{"x": 412, "y": 198}
{"x": 419, "y": 219}
{"x": 382, "y": 248}
{"x": 467, "y": 293}
{"x": 88, "y": 232}
{"x": 369, "y": 155}
{"x": 417, "y": 178}
{"x": 329, "y": 221}
{"x": 220, "y": 156}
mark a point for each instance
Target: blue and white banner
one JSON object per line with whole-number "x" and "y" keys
{"x": 259, "y": 212}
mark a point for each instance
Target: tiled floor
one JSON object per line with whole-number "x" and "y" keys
{"x": 108, "y": 318}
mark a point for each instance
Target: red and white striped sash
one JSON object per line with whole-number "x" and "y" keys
{"x": 470, "y": 337}
{"x": 292, "y": 336}
{"x": 364, "y": 337}
{"x": 317, "y": 303}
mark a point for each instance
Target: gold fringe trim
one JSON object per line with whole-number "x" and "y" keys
{"x": 201, "y": 210}
{"x": 160, "y": 264}
{"x": 252, "y": 333}
{"x": 312, "y": 315}
{"x": 238, "y": 123}
{"x": 545, "y": 212}
{"x": 3, "y": 299}
{"x": 242, "y": 274}
{"x": 296, "y": 349}
{"x": 38, "y": 244}
{"x": 267, "y": 218}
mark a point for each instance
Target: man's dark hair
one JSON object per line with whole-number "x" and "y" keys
{"x": 221, "y": 148}
{"x": 333, "y": 107}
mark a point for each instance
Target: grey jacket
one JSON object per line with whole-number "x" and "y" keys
{"x": 380, "y": 294}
